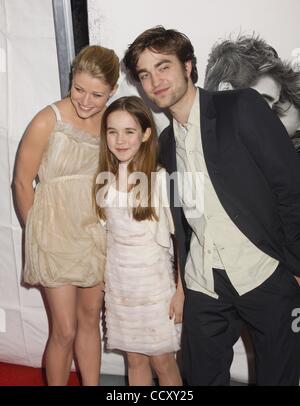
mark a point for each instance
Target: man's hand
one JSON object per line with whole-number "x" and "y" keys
{"x": 298, "y": 279}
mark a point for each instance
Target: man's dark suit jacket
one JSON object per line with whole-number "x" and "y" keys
{"x": 254, "y": 169}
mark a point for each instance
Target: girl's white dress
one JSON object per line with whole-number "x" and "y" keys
{"x": 139, "y": 279}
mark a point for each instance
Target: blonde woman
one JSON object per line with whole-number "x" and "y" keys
{"x": 65, "y": 244}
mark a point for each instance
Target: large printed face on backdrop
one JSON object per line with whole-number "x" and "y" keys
{"x": 290, "y": 117}
{"x": 287, "y": 112}
{"x": 268, "y": 88}
{"x": 89, "y": 95}
{"x": 163, "y": 77}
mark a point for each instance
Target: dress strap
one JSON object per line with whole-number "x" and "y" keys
{"x": 56, "y": 111}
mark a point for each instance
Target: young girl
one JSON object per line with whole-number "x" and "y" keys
{"x": 142, "y": 302}
{"x": 65, "y": 244}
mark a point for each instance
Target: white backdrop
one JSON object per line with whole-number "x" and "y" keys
{"x": 29, "y": 81}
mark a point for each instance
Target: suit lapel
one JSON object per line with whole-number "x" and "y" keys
{"x": 170, "y": 157}
{"x": 171, "y": 166}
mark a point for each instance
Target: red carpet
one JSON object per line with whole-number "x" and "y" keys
{"x": 19, "y": 375}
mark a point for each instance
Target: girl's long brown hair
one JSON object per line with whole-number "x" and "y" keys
{"x": 145, "y": 160}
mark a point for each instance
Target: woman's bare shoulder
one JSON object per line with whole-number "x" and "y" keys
{"x": 41, "y": 125}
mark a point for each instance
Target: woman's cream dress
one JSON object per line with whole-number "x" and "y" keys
{"x": 65, "y": 243}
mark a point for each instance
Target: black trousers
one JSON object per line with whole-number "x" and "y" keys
{"x": 212, "y": 326}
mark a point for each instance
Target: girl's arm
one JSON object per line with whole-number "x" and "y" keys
{"x": 31, "y": 149}
{"x": 176, "y": 305}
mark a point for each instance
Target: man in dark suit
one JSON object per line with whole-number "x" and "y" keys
{"x": 239, "y": 241}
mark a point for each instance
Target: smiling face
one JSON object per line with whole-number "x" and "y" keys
{"x": 124, "y": 135}
{"x": 163, "y": 77}
{"x": 89, "y": 95}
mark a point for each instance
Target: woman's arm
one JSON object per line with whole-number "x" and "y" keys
{"x": 31, "y": 149}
